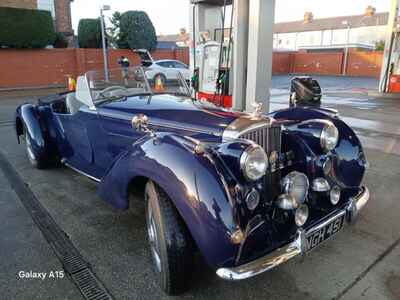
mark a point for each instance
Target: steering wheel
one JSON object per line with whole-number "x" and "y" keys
{"x": 112, "y": 88}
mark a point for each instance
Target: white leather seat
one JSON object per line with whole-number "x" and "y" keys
{"x": 73, "y": 105}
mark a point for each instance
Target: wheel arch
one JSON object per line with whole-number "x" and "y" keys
{"x": 204, "y": 208}
{"x": 19, "y": 126}
{"x": 27, "y": 118}
{"x": 349, "y": 156}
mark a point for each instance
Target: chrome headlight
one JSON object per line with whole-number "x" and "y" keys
{"x": 287, "y": 202}
{"x": 329, "y": 137}
{"x": 301, "y": 215}
{"x": 335, "y": 195}
{"x": 296, "y": 185}
{"x": 320, "y": 185}
{"x": 254, "y": 162}
{"x": 252, "y": 199}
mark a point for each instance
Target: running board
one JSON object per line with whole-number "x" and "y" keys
{"x": 64, "y": 162}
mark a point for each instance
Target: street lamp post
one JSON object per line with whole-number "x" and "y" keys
{"x": 370, "y": 12}
{"x": 346, "y": 53}
{"x": 103, "y": 36}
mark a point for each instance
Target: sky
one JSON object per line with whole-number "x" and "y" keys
{"x": 168, "y": 16}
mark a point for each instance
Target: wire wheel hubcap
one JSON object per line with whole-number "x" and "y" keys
{"x": 153, "y": 238}
{"x": 29, "y": 150}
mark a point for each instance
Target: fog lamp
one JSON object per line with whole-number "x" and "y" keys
{"x": 287, "y": 202}
{"x": 335, "y": 195}
{"x": 296, "y": 185}
{"x": 320, "y": 185}
{"x": 301, "y": 215}
{"x": 252, "y": 199}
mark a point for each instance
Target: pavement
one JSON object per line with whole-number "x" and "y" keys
{"x": 363, "y": 261}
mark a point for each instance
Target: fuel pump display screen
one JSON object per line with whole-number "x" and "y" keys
{"x": 210, "y": 68}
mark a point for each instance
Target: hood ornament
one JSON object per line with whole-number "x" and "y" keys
{"x": 258, "y": 109}
{"x": 140, "y": 123}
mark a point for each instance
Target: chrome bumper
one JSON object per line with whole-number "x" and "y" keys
{"x": 298, "y": 246}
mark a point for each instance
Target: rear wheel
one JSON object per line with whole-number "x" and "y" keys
{"x": 170, "y": 242}
{"x": 36, "y": 161}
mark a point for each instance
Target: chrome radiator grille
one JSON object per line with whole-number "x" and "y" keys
{"x": 267, "y": 137}
{"x": 270, "y": 138}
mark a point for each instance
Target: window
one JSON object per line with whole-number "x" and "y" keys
{"x": 180, "y": 65}
{"x": 166, "y": 64}
{"x": 47, "y": 5}
{"x": 163, "y": 64}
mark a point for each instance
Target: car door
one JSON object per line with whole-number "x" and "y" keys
{"x": 78, "y": 131}
{"x": 168, "y": 69}
{"x": 116, "y": 125}
{"x": 183, "y": 69}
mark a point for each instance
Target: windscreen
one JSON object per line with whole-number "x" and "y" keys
{"x": 124, "y": 82}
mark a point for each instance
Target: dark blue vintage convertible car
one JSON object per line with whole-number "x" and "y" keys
{"x": 248, "y": 191}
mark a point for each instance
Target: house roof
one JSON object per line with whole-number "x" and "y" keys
{"x": 332, "y": 23}
{"x": 166, "y": 45}
{"x": 380, "y": 19}
{"x": 177, "y": 38}
{"x": 212, "y": 2}
{"x": 169, "y": 38}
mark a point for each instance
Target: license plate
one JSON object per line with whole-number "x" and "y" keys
{"x": 316, "y": 237}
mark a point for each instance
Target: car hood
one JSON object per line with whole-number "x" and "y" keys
{"x": 173, "y": 113}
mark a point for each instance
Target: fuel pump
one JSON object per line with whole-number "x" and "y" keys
{"x": 231, "y": 57}
{"x": 211, "y": 54}
{"x": 213, "y": 77}
{"x": 394, "y": 71}
{"x": 390, "y": 74}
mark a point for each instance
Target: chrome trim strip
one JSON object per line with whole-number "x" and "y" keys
{"x": 296, "y": 247}
{"x": 357, "y": 203}
{"x": 79, "y": 171}
{"x": 178, "y": 127}
{"x": 361, "y": 199}
{"x": 157, "y": 124}
{"x": 265, "y": 263}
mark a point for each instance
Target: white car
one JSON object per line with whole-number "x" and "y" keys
{"x": 165, "y": 68}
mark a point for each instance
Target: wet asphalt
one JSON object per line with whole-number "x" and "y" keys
{"x": 361, "y": 262}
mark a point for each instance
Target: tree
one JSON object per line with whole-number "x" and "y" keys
{"x": 117, "y": 38}
{"x": 133, "y": 30}
{"x": 60, "y": 41}
{"x": 26, "y": 28}
{"x": 89, "y": 33}
{"x": 380, "y": 46}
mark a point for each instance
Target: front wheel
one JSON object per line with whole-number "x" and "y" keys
{"x": 170, "y": 241}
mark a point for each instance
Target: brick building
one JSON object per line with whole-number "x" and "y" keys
{"x": 59, "y": 9}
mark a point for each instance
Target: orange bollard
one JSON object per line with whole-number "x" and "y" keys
{"x": 71, "y": 84}
{"x": 158, "y": 85}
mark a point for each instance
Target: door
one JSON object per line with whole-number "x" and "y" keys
{"x": 78, "y": 131}
{"x": 118, "y": 136}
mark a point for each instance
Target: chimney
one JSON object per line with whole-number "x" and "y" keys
{"x": 308, "y": 17}
{"x": 370, "y": 11}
